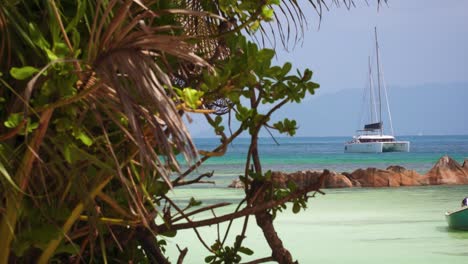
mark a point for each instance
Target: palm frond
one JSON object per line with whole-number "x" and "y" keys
{"x": 129, "y": 64}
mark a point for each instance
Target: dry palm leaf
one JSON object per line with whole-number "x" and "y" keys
{"x": 129, "y": 64}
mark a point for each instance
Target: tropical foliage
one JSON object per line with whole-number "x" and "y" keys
{"x": 91, "y": 104}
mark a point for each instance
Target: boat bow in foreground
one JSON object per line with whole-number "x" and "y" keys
{"x": 458, "y": 219}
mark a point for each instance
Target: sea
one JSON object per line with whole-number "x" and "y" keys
{"x": 290, "y": 154}
{"x": 352, "y": 225}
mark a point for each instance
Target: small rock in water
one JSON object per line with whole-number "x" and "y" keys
{"x": 236, "y": 183}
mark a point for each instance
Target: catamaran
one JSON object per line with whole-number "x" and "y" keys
{"x": 371, "y": 139}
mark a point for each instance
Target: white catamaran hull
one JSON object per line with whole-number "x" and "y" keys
{"x": 377, "y": 147}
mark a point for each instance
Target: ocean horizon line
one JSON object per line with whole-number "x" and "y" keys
{"x": 350, "y": 136}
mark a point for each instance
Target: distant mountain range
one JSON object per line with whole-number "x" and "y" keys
{"x": 432, "y": 109}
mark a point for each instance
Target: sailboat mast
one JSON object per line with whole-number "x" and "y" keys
{"x": 378, "y": 79}
{"x": 371, "y": 99}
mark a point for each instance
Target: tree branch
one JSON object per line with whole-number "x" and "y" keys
{"x": 183, "y": 252}
{"x": 247, "y": 210}
{"x": 261, "y": 260}
{"x": 190, "y": 221}
{"x": 200, "y": 210}
{"x": 196, "y": 180}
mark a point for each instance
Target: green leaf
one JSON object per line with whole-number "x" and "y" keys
{"x": 14, "y": 120}
{"x": 7, "y": 176}
{"x": 194, "y": 202}
{"x": 61, "y": 49}
{"x": 23, "y": 73}
{"x": 51, "y": 55}
{"x": 63, "y": 124}
{"x": 31, "y": 126}
{"x": 307, "y": 75}
{"x": 219, "y": 129}
{"x": 296, "y": 208}
{"x": 266, "y": 55}
{"x": 160, "y": 188}
{"x": 209, "y": 259}
{"x": 286, "y": 68}
{"x": 216, "y": 245}
{"x": 267, "y": 13}
{"x": 255, "y": 26}
{"x": 170, "y": 233}
{"x": 192, "y": 97}
{"x": 246, "y": 251}
{"x": 218, "y": 120}
{"x": 286, "y": 126}
{"x": 84, "y": 138}
{"x": 80, "y": 12}
{"x": 292, "y": 186}
{"x": 37, "y": 37}
{"x": 68, "y": 153}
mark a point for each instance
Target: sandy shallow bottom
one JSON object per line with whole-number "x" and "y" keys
{"x": 388, "y": 225}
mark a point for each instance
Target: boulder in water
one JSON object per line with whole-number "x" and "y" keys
{"x": 337, "y": 180}
{"x": 236, "y": 183}
{"x": 373, "y": 177}
{"x": 393, "y": 176}
{"x": 411, "y": 178}
{"x": 465, "y": 165}
{"x": 302, "y": 179}
{"x": 447, "y": 171}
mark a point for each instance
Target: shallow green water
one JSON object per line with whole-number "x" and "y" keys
{"x": 389, "y": 225}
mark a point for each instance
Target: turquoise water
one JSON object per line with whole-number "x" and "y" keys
{"x": 318, "y": 153}
{"x": 356, "y": 225}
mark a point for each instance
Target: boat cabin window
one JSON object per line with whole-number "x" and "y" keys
{"x": 365, "y": 140}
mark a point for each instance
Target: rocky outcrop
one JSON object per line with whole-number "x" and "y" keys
{"x": 396, "y": 168}
{"x": 465, "y": 165}
{"x": 393, "y": 176}
{"x": 302, "y": 179}
{"x": 371, "y": 177}
{"x": 411, "y": 178}
{"x": 337, "y": 180}
{"x": 447, "y": 171}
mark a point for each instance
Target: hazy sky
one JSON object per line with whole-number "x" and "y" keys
{"x": 421, "y": 41}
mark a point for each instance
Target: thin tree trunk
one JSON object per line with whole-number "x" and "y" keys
{"x": 279, "y": 252}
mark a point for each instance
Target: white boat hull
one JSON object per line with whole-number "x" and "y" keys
{"x": 377, "y": 147}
